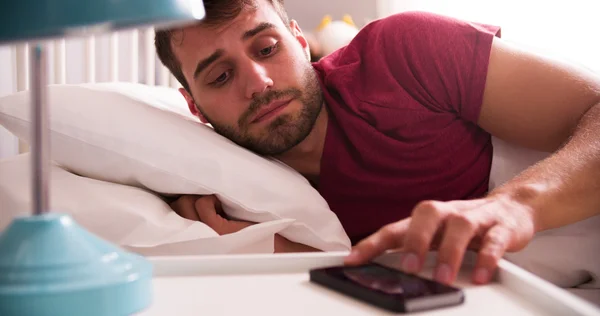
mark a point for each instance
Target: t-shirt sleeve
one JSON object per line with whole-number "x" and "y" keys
{"x": 441, "y": 61}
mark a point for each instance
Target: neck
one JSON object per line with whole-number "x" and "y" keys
{"x": 306, "y": 156}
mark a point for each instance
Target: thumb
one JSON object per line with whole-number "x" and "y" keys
{"x": 206, "y": 208}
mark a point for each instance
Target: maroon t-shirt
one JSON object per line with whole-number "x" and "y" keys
{"x": 403, "y": 100}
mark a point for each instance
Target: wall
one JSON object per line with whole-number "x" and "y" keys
{"x": 75, "y": 71}
{"x": 563, "y": 29}
{"x": 310, "y": 13}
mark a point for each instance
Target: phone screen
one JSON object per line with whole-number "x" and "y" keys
{"x": 390, "y": 282}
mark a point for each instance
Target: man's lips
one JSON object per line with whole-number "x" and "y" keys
{"x": 270, "y": 110}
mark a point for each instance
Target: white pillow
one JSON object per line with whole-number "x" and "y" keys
{"x": 567, "y": 256}
{"x": 142, "y": 136}
{"x": 126, "y": 216}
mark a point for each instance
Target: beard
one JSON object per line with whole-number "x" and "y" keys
{"x": 285, "y": 131}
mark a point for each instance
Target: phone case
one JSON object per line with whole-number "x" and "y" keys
{"x": 325, "y": 278}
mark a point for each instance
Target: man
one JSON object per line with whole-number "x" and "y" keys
{"x": 394, "y": 129}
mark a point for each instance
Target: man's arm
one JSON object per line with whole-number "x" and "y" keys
{"x": 283, "y": 244}
{"x": 530, "y": 101}
{"x": 546, "y": 105}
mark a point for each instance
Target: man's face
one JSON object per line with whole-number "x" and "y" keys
{"x": 251, "y": 79}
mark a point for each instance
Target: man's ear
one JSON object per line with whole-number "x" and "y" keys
{"x": 192, "y": 105}
{"x": 297, "y": 32}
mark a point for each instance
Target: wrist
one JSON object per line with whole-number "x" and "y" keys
{"x": 526, "y": 198}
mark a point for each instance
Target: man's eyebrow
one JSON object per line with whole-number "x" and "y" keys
{"x": 203, "y": 64}
{"x": 261, "y": 27}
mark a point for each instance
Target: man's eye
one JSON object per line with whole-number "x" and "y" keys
{"x": 267, "y": 50}
{"x": 221, "y": 79}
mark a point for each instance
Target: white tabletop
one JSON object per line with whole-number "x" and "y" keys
{"x": 287, "y": 291}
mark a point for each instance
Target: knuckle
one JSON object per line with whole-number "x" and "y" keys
{"x": 418, "y": 239}
{"x": 495, "y": 239}
{"x": 204, "y": 202}
{"x": 370, "y": 243}
{"x": 493, "y": 247}
{"x": 490, "y": 254}
{"x": 429, "y": 209}
{"x": 186, "y": 198}
{"x": 183, "y": 202}
{"x": 454, "y": 250}
{"x": 388, "y": 232}
{"x": 450, "y": 253}
{"x": 462, "y": 221}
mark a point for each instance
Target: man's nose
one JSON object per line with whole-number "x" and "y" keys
{"x": 258, "y": 80}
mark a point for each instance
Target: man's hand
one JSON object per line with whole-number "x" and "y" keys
{"x": 492, "y": 225}
{"x": 207, "y": 209}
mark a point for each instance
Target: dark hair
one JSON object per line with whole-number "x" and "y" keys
{"x": 217, "y": 12}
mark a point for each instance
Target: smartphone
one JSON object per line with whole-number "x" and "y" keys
{"x": 388, "y": 288}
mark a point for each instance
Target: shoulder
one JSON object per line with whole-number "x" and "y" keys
{"x": 415, "y": 36}
{"x": 425, "y": 28}
{"x": 420, "y": 22}
{"x": 404, "y": 23}
{"x": 389, "y": 33}
{"x": 407, "y": 21}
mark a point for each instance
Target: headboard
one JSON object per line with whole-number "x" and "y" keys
{"x": 119, "y": 56}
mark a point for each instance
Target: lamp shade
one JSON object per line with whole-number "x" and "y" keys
{"x": 25, "y": 20}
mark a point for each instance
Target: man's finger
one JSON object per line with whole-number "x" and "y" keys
{"x": 460, "y": 229}
{"x": 425, "y": 222}
{"x": 493, "y": 247}
{"x": 205, "y": 207}
{"x": 184, "y": 206}
{"x": 387, "y": 238}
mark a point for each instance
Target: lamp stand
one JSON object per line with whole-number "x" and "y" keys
{"x": 40, "y": 143}
{"x": 49, "y": 265}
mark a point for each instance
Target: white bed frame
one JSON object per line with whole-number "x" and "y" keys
{"x": 119, "y": 56}
{"x": 141, "y": 42}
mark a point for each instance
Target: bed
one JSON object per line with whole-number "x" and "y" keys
{"x": 114, "y": 170}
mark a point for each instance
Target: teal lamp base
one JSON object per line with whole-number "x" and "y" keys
{"x": 49, "y": 265}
